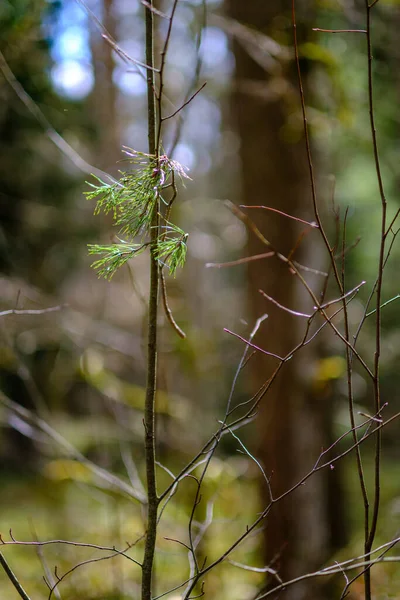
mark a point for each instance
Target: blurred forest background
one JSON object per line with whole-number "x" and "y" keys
{"x": 81, "y": 368}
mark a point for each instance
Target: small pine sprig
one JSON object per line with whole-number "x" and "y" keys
{"x": 133, "y": 200}
{"x": 163, "y": 163}
{"x": 171, "y": 251}
{"x": 109, "y": 196}
{"x": 142, "y": 192}
{"x": 114, "y": 256}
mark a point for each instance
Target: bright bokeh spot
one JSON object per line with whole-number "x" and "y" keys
{"x": 71, "y": 44}
{"x": 131, "y": 84}
{"x": 214, "y": 47}
{"x": 185, "y": 155}
{"x": 72, "y": 79}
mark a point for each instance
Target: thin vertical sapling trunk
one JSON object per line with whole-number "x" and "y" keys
{"x": 149, "y": 409}
{"x": 139, "y": 210}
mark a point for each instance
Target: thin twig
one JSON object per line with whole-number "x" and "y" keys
{"x": 195, "y": 80}
{"x": 283, "y": 214}
{"x": 253, "y": 345}
{"x": 288, "y": 310}
{"x": 48, "y": 575}
{"x": 296, "y": 271}
{"x": 383, "y": 305}
{"x": 168, "y": 312}
{"x": 107, "y": 38}
{"x": 12, "y": 577}
{"x": 379, "y": 285}
{"x": 112, "y": 481}
{"x": 340, "y": 30}
{"x": 40, "y": 311}
{"x": 49, "y": 130}
{"x": 154, "y": 10}
{"x": 178, "y": 110}
{"x": 239, "y": 261}
{"x": 266, "y": 511}
{"x": 83, "y": 563}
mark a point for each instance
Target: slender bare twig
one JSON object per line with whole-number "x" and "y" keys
{"x": 188, "y": 101}
{"x": 386, "y": 549}
{"x": 39, "y": 543}
{"x": 350, "y": 393}
{"x": 49, "y": 130}
{"x": 83, "y": 563}
{"x": 328, "y": 572}
{"x": 194, "y": 543}
{"x": 240, "y": 261}
{"x": 195, "y": 80}
{"x": 379, "y": 284}
{"x": 295, "y": 270}
{"x": 340, "y": 281}
{"x": 317, "y": 467}
{"x": 111, "y": 480}
{"x": 13, "y": 578}
{"x": 383, "y": 305}
{"x": 154, "y": 10}
{"x": 346, "y": 295}
{"x": 339, "y": 30}
{"x": 158, "y": 96}
{"x": 393, "y": 221}
{"x": 40, "y": 311}
{"x": 248, "y": 343}
{"x": 254, "y": 459}
{"x": 288, "y": 310}
{"x": 283, "y": 214}
{"x": 255, "y": 569}
{"x": 48, "y": 575}
{"x": 167, "y": 309}
{"x": 107, "y": 38}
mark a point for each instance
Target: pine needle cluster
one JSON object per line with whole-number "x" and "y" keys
{"x": 132, "y": 201}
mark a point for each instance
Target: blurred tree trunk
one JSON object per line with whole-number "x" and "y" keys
{"x": 294, "y": 423}
{"x": 104, "y": 96}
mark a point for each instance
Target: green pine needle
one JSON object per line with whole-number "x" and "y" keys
{"x": 172, "y": 252}
{"x": 114, "y": 257}
{"x": 109, "y": 195}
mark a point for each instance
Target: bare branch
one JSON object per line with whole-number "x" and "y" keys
{"x": 168, "y": 312}
{"x": 12, "y": 577}
{"x": 112, "y": 481}
{"x": 254, "y": 346}
{"x": 41, "y": 311}
{"x": 340, "y": 30}
{"x": 49, "y": 130}
{"x": 154, "y": 10}
{"x": 178, "y": 110}
{"x": 240, "y": 261}
{"x": 283, "y": 214}
{"x": 289, "y": 310}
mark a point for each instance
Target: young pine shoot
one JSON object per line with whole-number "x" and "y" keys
{"x": 132, "y": 201}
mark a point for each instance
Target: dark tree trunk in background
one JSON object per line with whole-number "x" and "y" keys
{"x": 292, "y": 420}
{"x": 104, "y": 96}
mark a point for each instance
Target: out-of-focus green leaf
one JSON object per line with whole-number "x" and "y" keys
{"x": 318, "y": 53}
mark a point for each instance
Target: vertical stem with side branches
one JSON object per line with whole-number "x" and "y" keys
{"x": 379, "y": 283}
{"x": 369, "y": 533}
{"x": 149, "y": 410}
